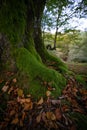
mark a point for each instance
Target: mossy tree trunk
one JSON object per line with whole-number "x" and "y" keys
{"x": 22, "y": 47}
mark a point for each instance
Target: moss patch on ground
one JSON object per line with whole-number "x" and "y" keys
{"x": 58, "y": 64}
{"x": 38, "y": 73}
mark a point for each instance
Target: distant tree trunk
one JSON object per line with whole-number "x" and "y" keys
{"x": 56, "y": 33}
{"x": 55, "y": 39}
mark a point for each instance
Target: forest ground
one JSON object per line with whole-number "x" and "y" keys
{"x": 79, "y": 68}
{"x": 67, "y": 112}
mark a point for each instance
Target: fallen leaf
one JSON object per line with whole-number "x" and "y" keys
{"x": 44, "y": 116}
{"x": 20, "y": 92}
{"x": 15, "y": 121}
{"x": 21, "y": 123}
{"x": 1, "y": 81}
{"x": 49, "y": 88}
{"x": 58, "y": 114}
{"x": 23, "y": 115}
{"x": 38, "y": 118}
{"x": 78, "y": 110}
{"x": 10, "y": 90}
{"x": 50, "y": 116}
{"x": 54, "y": 102}
{"x": 28, "y": 106}
{"x": 65, "y": 108}
{"x": 40, "y": 101}
{"x": 45, "y": 83}
{"x": 84, "y": 92}
{"x": 27, "y": 100}
{"x": 21, "y": 101}
{"x": 5, "y": 88}
{"x": 28, "y": 95}
{"x": 12, "y": 112}
{"x": 73, "y": 127}
{"x": 48, "y": 93}
{"x": 14, "y": 80}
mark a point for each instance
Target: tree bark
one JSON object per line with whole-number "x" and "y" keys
{"x": 21, "y": 41}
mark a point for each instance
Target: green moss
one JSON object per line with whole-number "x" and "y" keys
{"x": 27, "y": 63}
{"x": 12, "y": 19}
{"x": 81, "y": 79}
{"x": 48, "y": 59}
{"x": 37, "y": 90}
{"x": 59, "y": 64}
{"x": 29, "y": 45}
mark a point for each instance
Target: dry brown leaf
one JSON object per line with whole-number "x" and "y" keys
{"x": 10, "y": 90}
{"x": 50, "y": 116}
{"x": 40, "y": 101}
{"x": 38, "y": 118}
{"x": 1, "y": 80}
{"x": 22, "y": 101}
{"x": 6, "y": 119}
{"x": 48, "y": 93}
{"x": 45, "y": 83}
{"x": 23, "y": 115}
{"x": 78, "y": 110}
{"x": 5, "y": 88}
{"x": 20, "y": 92}
{"x": 75, "y": 91}
{"x": 21, "y": 123}
{"x": 84, "y": 92}
{"x": 15, "y": 121}
{"x": 65, "y": 108}
{"x": 54, "y": 102}
{"x": 73, "y": 127}
{"x": 28, "y": 95}
{"x": 14, "y": 80}
{"x": 58, "y": 114}
{"x": 12, "y": 112}
{"x": 27, "y": 100}
{"x": 44, "y": 116}
{"x": 28, "y": 106}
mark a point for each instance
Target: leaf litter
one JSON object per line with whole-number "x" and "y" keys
{"x": 22, "y": 112}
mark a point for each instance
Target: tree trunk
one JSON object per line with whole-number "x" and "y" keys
{"x": 22, "y": 48}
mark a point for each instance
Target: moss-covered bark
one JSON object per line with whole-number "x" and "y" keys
{"x": 20, "y": 22}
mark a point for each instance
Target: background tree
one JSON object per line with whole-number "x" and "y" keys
{"x": 56, "y": 16}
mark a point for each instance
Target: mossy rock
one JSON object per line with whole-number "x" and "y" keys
{"x": 37, "y": 72}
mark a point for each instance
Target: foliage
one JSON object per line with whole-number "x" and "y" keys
{"x": 78, "y": 52}
{"x": 57, "y": 13}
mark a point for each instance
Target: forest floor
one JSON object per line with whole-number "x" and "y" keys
{"x": 67, "y": 112}
{"x": 78, "y": 68}
{"x": 20, "y": 111}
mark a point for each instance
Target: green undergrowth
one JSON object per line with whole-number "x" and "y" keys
{"x": 81, "y": 79}
{"x": 38, "y": 73}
